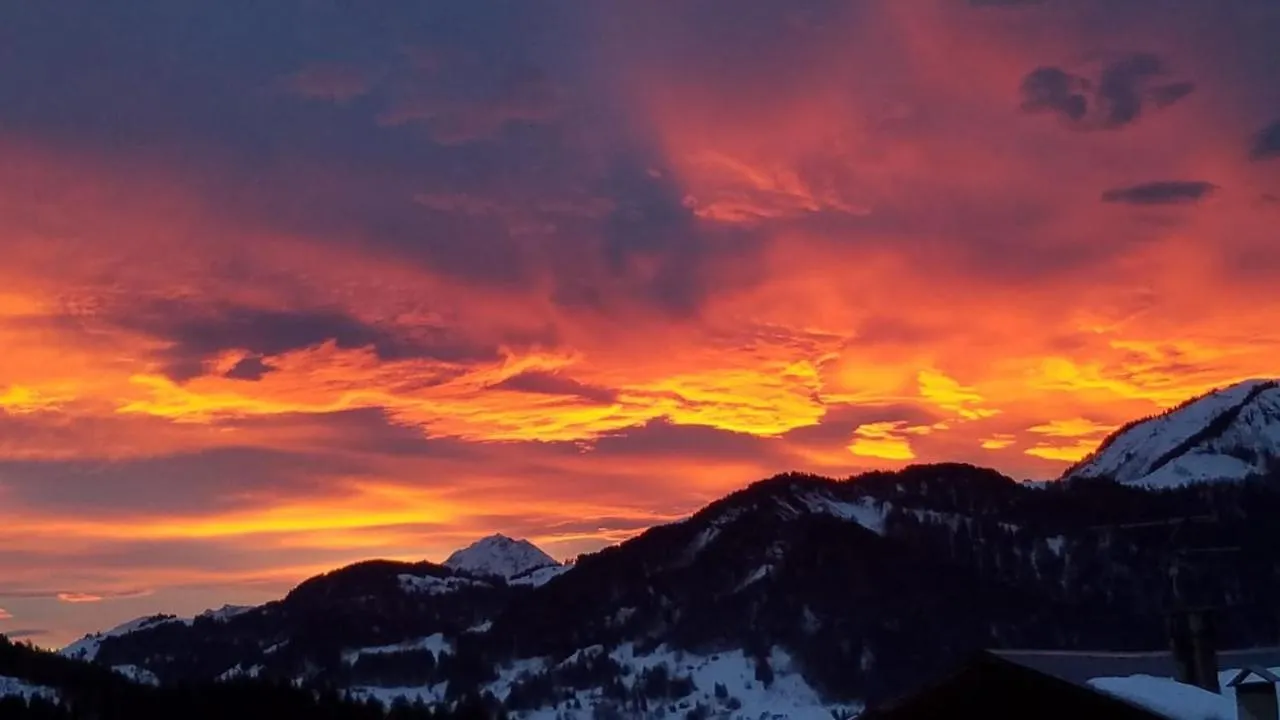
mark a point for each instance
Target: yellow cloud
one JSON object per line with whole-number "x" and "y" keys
{"x": 998, "y": 442}
{"x": 883, "y": 440}
{"x": 1072, "y": 428}
{"x": 947, "y": 393}
{"x": 1067, "y": 453}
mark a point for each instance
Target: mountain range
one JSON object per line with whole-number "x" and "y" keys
{"x": 798, "y": 596}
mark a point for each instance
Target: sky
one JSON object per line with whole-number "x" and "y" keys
{"x": 289, "y": 285}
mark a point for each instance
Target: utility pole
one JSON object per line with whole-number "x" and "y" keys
{"x": 1191, "y": 627}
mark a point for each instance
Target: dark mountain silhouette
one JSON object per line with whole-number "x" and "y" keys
{"x": 852, "y": 590}
{"x": 868, "y": 584}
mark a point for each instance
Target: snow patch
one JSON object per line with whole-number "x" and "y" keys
{"x": 137, "y": 674}
{"x": 429, "y": 694}
{"x": 787, "y": 695}
{"x": 437, "y": 644}
{"x": 539, "y": 577}
{"x": 1057, "y": 544}
{"x": 759, "y": 574}
{"x": 10, "y": 686}
{"x": 240, "y": 671}
{"x": 431, "y": 585}
{"x": 866, "y": 511}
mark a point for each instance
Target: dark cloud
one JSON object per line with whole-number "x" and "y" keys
{"x": 251, "y": 368}
{"x": 1164, "y": 192}
{"x": 838, "y": 424}
{"x": 1006, "y": 3}
{"x": 661, "y": 437}
{"x": 186, "y": 482}
{"x": 1118, "y": 97}
{"x": 524, "y": 526}
{"x": 224, "y": 556}
{"x": 334, "y": 82}
{"x": 330, "y": 122}
{"x": 22, "y": 633}
{"x": 649, "y": 248}
{"x": 199, "y": 333}
{"x": 361, "y": 431}
{"x": 1051, "y": 89}
{"x": 1266, "y": 144}
{"x": 544, "y": 383}
{"x": 1166, "y": 95}
{"x": 202, "y": 72}
{"x": 519, "y": 95}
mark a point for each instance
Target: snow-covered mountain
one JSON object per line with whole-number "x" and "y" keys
{"x": 1228, "y": 434}
{"x": 500, "y": 556}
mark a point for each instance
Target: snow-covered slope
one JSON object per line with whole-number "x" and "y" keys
{"x": 501, "y": 556}
{"x": 1229, "y": 434}
{"x": 725, "y": 684}
{"x": 225, "y": 613}
{"x": 86, "y": 648}
{"x": 23, "y": 689}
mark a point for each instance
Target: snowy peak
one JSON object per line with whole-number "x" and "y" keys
{"x": 501, "y": 556}
{"x": 1229, "y": 434}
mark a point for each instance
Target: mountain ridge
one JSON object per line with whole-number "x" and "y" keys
{"x": 797, "y": 594}
{"x": 850, "y": 580}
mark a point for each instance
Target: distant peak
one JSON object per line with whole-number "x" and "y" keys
{"x": 500, "y": 555}
{"x": 1231, "y": 433}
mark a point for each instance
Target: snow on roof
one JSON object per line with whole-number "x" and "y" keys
{"x": 1169, "y": 698}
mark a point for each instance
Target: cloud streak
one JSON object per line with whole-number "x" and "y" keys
{"x": 1162, "y": 192}
{"x": 1266, "y": 145}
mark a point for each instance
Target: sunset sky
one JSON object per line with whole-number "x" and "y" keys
{"x": 291, "y": 284}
